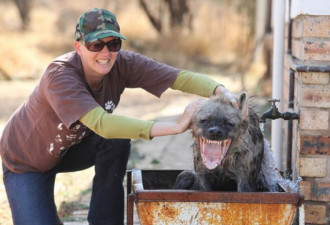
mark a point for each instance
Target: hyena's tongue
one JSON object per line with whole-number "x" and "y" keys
{"x": 213, "y": 152}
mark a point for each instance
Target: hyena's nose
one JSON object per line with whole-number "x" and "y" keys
{"x": 214, "y": 131}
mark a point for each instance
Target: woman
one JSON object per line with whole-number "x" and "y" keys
{"x": 67, "y": 124}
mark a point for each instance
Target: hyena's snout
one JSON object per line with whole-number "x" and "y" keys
{"x": 215, "y": 133}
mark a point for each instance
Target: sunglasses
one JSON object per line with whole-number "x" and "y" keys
{"x": 97, "y": 46}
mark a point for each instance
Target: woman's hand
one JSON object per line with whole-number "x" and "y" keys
{"x": 178, "y": 127}
{"x": 184, "y": 121}
{"x": 221, "y": 90}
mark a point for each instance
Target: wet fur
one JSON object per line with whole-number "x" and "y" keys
{"x": 240, "y": 168}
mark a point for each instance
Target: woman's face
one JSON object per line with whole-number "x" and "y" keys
{"x": 96, "y": 63}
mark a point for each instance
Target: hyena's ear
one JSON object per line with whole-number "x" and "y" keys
{"x": 243, "y": 102}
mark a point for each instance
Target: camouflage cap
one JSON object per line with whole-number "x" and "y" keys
{"x": 96, "y": 24}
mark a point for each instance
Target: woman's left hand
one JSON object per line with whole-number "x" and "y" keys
{"x": 221, "y": 90}
{"x": 184, "y": 121}
{"x": 179, "y": 126}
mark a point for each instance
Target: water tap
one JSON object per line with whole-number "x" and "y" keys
{"x": 273, "y": 113}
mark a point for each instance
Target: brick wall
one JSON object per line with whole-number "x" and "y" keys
{"x": 310, "y": 59}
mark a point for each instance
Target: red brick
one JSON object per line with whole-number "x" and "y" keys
{"x": 315, "y": 78}
{"x": 313, "y": 119}
{"x": 305, "y": 188}
{"x": 311, "y": 49}
{"x": 316, "y": 50}
{"x": 315, "y": 214}
{"x": 311, "y": 26}
{"x": 316, "y": 26}
{"x": 297, "y": 49}
{"x": 315, "y": 191}
{"x": 297, "y": 27}
{"x": 320, "y": 191}
{"x": 315, "y": 145}
{"x": 315, "y": 96}
{"x": 313, "y": 167}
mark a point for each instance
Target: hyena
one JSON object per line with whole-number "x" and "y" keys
{"x": 228, "y": 148}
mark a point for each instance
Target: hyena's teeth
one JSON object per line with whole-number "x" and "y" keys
{"x": 211, "y": 142}
{"x": 222, "y": 143}
{"x": 214, "y": 142}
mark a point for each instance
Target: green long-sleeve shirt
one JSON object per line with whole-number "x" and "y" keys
{"x": 114, "y": 126}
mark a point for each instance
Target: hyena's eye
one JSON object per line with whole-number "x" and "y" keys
{"x": 203, "y": 121}
{"x": 229, "y": 124}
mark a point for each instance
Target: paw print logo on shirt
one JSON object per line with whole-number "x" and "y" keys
{"x": 109, "y": 106}
{"x": 51, "y": 148}
{"x": 60, "y": 126}
{"x": 58, "y": 138}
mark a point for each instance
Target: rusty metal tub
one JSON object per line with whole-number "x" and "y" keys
{"x": 155, "y": 202}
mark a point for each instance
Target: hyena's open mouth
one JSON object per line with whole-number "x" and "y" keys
{"x": 213, "y": 152}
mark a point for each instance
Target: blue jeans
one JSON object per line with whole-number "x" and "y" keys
{"x": 31, "y": 194}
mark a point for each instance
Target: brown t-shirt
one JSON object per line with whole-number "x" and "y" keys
{"x": 43, "y": 128}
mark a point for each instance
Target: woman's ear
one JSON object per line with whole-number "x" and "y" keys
{"x": 77, "y": 47}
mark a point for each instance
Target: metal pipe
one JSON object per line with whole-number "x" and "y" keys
{"x": 289, "y": 29}
{"x": 288, "y": 171}
{"x": 313, "y": 68}
{"x": 278, "y": 53}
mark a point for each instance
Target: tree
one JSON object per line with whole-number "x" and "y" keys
{"x": 177, "y": 12}
{"x": 24, "y": 7}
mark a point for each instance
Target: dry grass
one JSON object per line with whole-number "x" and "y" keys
{"x": 219, "y": 37}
